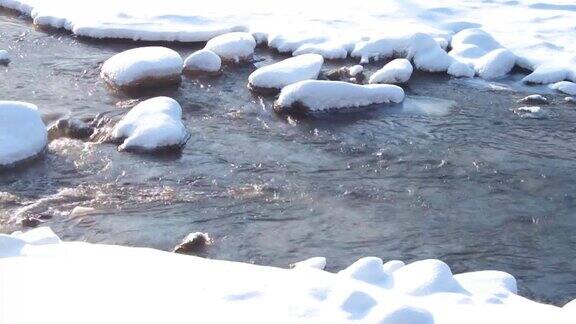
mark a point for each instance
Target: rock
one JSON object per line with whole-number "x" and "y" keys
{"x": 203, "y": 61}
{"x": 529, "y": 112}
{"x": 571, "y": 100}
{"x": 23, "y": 135}
{"x": 70, "y": 128}
{"x": 193, "y": 242}
{"x": 394, "y": 72}
{"x": 143, "y": 67}
{"x": 534, "y": 99}
{"x": 271, "y": 78}
{"x": 30, "y": 222}
{"x": 235, "y": 47}
{"x": 4, "y": 57}
{"x": 354, "y": 74}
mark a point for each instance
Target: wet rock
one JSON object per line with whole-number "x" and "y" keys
{"x": 233, "y": 47}
{"x": 70, "y": 128}
{"x": 30, "y": 222}
{"x": 534, "y": 99}
{"x": 193, "y": 243}
{"x": 354, "y": 74}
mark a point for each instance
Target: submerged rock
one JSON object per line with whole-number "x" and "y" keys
{"x": 4, "y": 57}
{"x": 271, "y": 78}
{"x": 235, "y": 47}
{"x": 30, "y": 222}
{"x": 193, "y": 242}
{"x": 321, "y": 96}
{"x": 534, "y": 99}
{"x": 203, "y": 61}
{"x": 23, "y": 135}
{"x": 394, "y": 72}
{"x": 70, "y": 128}
{"x": 143, "y": 67}
{"x": 152, "y": 125}
{"x": 353, "y": 74}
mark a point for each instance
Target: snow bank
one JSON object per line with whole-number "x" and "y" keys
{"x": 144, "y": 66}
{"x": 288, "y": 71}
{"x": 235, "y": 47}
{"x": 23, "y": 134}
{"x": 476, "y": 47}
{"x": 566, "y": 87}
{"x": 4, "y": 57}
{"x": 314, "y": 95}
{"x": 396, "y": 71}
{"x": 202, "y": 61}
{"x": 154, "y": 124}
{"x": 140, "y": 285}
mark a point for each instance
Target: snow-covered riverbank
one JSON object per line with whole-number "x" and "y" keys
{"x": 44, "y": 280}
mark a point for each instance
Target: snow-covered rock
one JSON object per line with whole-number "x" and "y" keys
{"x": 153, "y": 124}
{"x": 202, "y": 61}
{"x": 566, "y": 87}
{"x": 534, "y": 99}
{"x": 529, "y": 111}
{"x": 478, "y": 48}
{"x": 4, "y": 57}
{"x": 571, "y": 100}
{"x": 314, "y": 263}
{"x": 395, "y": 71}
{"x": 315, "y": 96}
{"x": 291, "y": 70}
{"x": 236, "y": 47}
{"x": 355, "y": 70}
{"x": 23, "y": 134}
{"x": 193, "y": 242}
{"x": 130, "y": 285}
{"x": 142, "y": 67}
{"x": 547, "y": 73}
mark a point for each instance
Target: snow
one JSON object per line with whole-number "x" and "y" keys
{"x": 534, "y": 99}
{"x": 235, "y": 47}
{"x": 203, "y": 61}
{"x": 288, "y": 71}
{"x": 566, "y": 87}
{"x": 143, "y": 66}
{"x": 355, "y": 70}
{"x": 151, "y": 125}
{"x": 141, "y": 285}
{"x": 396, "y": 71}
{"x": 23, "y": 134}
{"x": 4, "y": 57}
{"x": 316, "y": 95}
{"x": 314, "y": 263}
{"x": 538, "y": 36}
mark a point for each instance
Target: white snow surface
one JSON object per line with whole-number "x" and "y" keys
{"x": 288, "y": 71}
{"x": 153, "y": 124}
{"x": 203, "y": 61}
{"x": 133, "y": 66}
{"x": 318, "y": 95}
{"x": 566, "y": 87}
{"x": 538, "y": 34}
{"x": 395, "y": 71}
{"x": 235, "y": 46}
{"x": 141, "y": 285}
{"x": 23, "y": 134}
{"x": 4, "y": 56}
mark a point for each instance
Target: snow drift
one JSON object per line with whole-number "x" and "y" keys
{"x": 23, "y": 134}
{"x": 45, "y": 280}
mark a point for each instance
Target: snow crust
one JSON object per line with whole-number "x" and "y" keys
{"x": 23, "y": 134}
{"x": 538, "y": 36}
{"x": 288, "y": 71}
{"x": 237, "y": 46}
{"x": 4, "y": 57}
{"x": 203, "y": 61}
{"x": 317, "y": 95}
{"x": 151, "y": 125}
{"x": 142, "y": 66}
{"x": 140, "y": 285}
{"x": 395, "y": 71}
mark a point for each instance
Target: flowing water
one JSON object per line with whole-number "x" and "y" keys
{"x": 452, "y": 173}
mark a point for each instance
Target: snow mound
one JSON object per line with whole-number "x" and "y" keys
{"x": 237, "y": 46}
{"x": 143, "y": 66}
{"x": 476, "y": 47}
{"x": 424, "y": 292}
{"x": 203, "y": 61}
{"x": 566, "y": 87}
{"x": 288, "y": 71}
{"x": 315, "y": 95}
{"x": 4, "y": 57}
{"x": 396, "y": 71}
{"x": 153, "y": 124}
{"x": 23, "y": 134}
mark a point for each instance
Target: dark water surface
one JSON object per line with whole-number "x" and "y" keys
{"x": 452, "y": 174}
